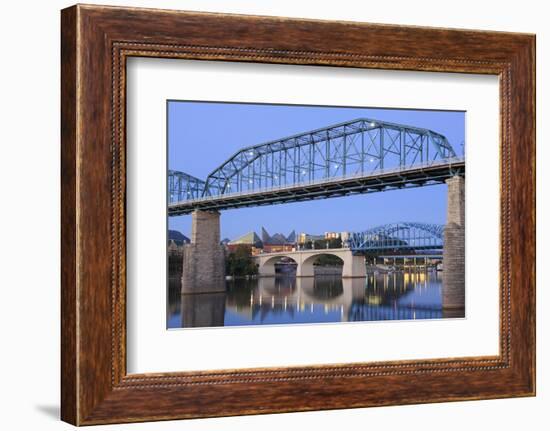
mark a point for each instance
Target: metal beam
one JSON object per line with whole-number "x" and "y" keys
{"x": 343, "y": 186}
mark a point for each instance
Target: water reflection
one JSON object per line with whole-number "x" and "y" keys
{"x": 287, "y": 299}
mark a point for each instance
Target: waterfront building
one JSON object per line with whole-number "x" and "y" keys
{"x": 278, "y": 242}
{"x": 176, "y": 242}
{"x": 304, "y": 238}
{"x": 177, "y": 238}
{"x": 250, "y": 239}
{"x": 266, "y": 244}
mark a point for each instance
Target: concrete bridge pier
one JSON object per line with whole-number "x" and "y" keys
{"x": 305, "y": 267}
{"x": 206, "y": 309}
{"x": 203, "y": 259}
{"x": 354, "y": 266}
{"x": 454, "y": 247}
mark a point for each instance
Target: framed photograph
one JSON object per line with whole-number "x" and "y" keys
{"x": 264, "y": 215}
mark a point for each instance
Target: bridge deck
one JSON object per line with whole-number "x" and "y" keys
{"x": 358, "y": 184}
{"x": 312, "y": 251}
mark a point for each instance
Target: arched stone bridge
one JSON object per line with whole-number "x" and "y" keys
{"x": 354, "y": 266}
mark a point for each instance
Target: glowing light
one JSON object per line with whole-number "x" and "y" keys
{"x": 373, "y": 124}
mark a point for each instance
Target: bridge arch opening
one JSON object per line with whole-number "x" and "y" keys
{"x": 322, "y": 264}
{"x": 278, "y": 265}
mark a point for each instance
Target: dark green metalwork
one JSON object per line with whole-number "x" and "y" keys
{"x": 358, "y": 156}
{"x": 182, "y": 186}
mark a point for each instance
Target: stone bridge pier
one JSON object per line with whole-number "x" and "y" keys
{"x": 453, "y": 294}
{"x": 203, "y": 259}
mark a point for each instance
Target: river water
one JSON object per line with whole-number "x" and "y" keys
{"x": 286, "y": 299}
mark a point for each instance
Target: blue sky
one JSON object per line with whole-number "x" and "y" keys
{"x": 203, "y": 135}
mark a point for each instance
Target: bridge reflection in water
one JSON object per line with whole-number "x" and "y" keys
{"x": 401, "y": 295}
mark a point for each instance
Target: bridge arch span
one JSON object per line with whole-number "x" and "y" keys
{"x": 353, "y": 266}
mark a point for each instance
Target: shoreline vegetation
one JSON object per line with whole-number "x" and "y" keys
{"x": 239, "y": 262}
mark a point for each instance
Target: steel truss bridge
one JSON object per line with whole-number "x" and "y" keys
{"x": 397, "y": 236}
{"x": 359, "y": 156}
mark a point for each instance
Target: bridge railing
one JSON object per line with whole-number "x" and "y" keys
{"x": 302, "y": 250}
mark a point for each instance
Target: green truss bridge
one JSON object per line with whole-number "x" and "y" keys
{"x": 359, "y": 156}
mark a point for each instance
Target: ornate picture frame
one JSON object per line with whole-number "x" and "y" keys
{"x": 96, "y": 42}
